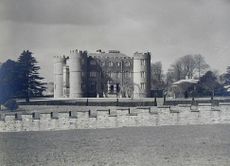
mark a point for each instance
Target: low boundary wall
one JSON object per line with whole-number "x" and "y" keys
{"x": 121, "y": 102}
{"x": 114, "y": 117}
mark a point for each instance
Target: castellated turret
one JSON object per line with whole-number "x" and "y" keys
{"x": 59, "y": 63}
{"x": 76, "y": 69}
{"x": 141, "y": 74}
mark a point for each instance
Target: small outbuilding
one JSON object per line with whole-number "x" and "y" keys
{"x": 179, "y": 88}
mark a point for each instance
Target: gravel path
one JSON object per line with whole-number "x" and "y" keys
{"x": 144, "y": 146}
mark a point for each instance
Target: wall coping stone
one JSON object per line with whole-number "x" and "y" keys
{"x": 36, "y": 115}
{"x": 18, "y": 116}
{"x": 149, "y": 116}
{"x": 2, "y": 117}
{"x": 54, "y": 115}
{"x": 73, "y": 114}
{"x": 92, "y": 114}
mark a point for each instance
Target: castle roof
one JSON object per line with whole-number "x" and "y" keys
{"x": 110, "y": 54}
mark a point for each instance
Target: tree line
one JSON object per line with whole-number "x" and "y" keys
{"x": 191, "y": 67}
{"x": 20, "y": 79}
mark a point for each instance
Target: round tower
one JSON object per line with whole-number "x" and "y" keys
{"x": 66, "y": 81}
{"x": 59, "y": 63}
{"x": 75, "y": 70}
{"x": 141, "y": 74}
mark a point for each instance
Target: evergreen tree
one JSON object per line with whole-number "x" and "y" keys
{"x": 29, "y": 80}
{"x": 8, "y": 80}
{"x": 227, "y": 76}
{"x": 209, "y": 85}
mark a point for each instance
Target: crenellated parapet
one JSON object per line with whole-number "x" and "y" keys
{"x": 60, "y": 58}
{"x": 112, "y": 117}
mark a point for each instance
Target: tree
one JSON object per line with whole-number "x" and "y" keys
{"x": 226, "y": 76}
{"x": 170, "y": 78}
{"x": 177, "y": 71}
{"x": 8, "y": 80}
{"x": 157, "y": 76}
{"x": 201, "y": 65}
{"x": 29, "y": 79}
{"x": 127, "y": 87}
{"x": 183, "y": 67}
{"x": 188, "y": 66}
{"x": 209, "y": 85}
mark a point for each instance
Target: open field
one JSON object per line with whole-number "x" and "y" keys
{"x": 144, "y": 146}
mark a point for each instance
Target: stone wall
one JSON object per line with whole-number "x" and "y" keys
{"x": 113, "y": 117}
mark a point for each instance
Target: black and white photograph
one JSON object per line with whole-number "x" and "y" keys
{"x": 114, "y": 82}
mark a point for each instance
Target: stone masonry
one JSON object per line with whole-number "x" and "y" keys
{"x": 113, "y": 117}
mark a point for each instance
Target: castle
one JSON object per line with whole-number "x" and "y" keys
{"x": 102, "y": 74}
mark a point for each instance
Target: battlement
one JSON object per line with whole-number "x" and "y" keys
{"x": 77, "y": 52}
{"x": 60, "y": 58}
{"x": 138, "y": 55}
{"x": 113, "y": 117}
{"x": 74, "y": 51}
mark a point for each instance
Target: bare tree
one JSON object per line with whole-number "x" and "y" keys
{"x": 170, "y": 77}
{"x": 201, "y": 65}
{"x": 188, "y": 66}
{"x": 127, "y": 87}
{"x": 157, "y": 75}
{"x": 177, "y": 69}
{"x": 157, "y": 70}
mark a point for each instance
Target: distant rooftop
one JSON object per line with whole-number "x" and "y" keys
{"x": 191, "y": 81}
{"x": 110, "y": 53}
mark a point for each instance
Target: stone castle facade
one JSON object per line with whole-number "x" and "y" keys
{"x": 102, "y": 74}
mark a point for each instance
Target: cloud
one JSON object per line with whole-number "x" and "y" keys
{"x": 79, "y": 12}
{"x": 169, "y": 29}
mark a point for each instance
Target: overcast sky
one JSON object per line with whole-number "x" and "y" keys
{"x": 167, "y": 28}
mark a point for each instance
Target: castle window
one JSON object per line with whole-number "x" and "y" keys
{"x": 93, "y": 74}
{"x": 83, "y": 74}
{"x": 116, "y": 75}
{"x": 92, "y": 62}
{"x": 102, "y": 63}
{"x": 82, "y": 61}
{"x": 118, "y": 63}
{"x": 142, "y": 85}
{"x": 127, "y": 74}
{"x": 142, "y": 74}
{"x": 127, "y": 64}
{"x": 110, "y": 64}
{"x": 143, "y": 62}
{"x": 83, "y": 86}
{"x": 93, "y": 85}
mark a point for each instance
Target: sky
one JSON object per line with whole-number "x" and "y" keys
{"x": 168, "y": 29}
